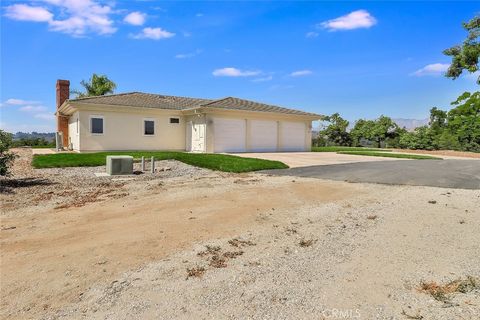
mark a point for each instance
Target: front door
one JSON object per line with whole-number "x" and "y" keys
{"x": 198, "y": 137}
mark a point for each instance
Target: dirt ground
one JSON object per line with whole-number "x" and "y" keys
{"x": 189, "y": 243}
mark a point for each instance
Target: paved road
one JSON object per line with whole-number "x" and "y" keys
{"x": 460, "y": 174}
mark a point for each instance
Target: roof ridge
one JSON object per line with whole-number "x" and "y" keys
{"x": 215, "y": 101}
{"x": 138, "y": 92}
{"x": 106, "y": 95}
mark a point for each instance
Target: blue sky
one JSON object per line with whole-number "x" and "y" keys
{"x": 361, "y": 59}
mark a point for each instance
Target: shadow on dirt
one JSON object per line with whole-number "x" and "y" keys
{"x": 9, "y": 185}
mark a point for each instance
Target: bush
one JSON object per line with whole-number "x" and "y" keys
{"x": 6, "y": 157}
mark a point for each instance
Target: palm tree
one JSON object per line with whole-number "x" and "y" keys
{"x": 98, "y": 85}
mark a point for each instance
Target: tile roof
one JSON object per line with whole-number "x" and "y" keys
{"x": 147, "y": 100}
{"x": 230, "y": 103}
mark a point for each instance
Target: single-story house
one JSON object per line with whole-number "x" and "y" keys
{"x": 143, "y": 121}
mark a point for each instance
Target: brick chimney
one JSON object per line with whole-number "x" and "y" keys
{"x": 63, "y": 93}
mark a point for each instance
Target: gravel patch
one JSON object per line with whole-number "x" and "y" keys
{"x": 61, "y": 188}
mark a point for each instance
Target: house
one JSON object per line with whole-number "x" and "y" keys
{"x": 142, "y": 121}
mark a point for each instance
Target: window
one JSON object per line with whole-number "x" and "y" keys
{"x": 96, "y": 125}
{"x": 77, "y": 125}
{"x": 148, "y": 127}
{"x": 174, "y": 120}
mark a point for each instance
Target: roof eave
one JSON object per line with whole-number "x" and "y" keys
{"x": 312, "y": 117}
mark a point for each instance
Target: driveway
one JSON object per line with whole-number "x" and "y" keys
{"x": 461, "y": 174}
{"x": 306, "y": 159}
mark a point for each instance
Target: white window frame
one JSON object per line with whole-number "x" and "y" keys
{"x": 154, "y": 127}
{"x": 90, "y": 124}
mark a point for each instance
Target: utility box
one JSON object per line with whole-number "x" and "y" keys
{"x": 119, "y": 165}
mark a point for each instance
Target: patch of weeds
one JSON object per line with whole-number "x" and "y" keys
{"x": 306, "y": 243}
{"x": 218, "y": 261}
{"x": 290, "y": 231}
{"x": 442, "y": 292}
{"x": 210, "y": 250}
{"x": 232, "y": 254}
{"x": 238, "y": 243}
{"x": 195, "y": 272}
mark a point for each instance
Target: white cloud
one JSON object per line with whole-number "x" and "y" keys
{"x": 30, "y": 108}
{"x": 188, "y": 55}
{"x": 311, "y": 34}
{"x": 45, "y": 116}
{"x": 199, "y": 14}
{"x": 234, "y": 72}
{"x": 301, "y": 73}
{"x": 153, "y": 33}
{"x": 24, "y": 12}
{"x": 135, "y": 18}
{"x": 264, "y": 79}
{"x": 434, "y": 69}
{"x": 354, "y": 20}
{"x": 75, "y": 17}
{"x": 20, "y": 102}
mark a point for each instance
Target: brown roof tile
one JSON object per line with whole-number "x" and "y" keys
{"x": 147, "y": 100}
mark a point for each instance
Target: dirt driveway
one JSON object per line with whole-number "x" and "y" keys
{"x": 190, "y": 244}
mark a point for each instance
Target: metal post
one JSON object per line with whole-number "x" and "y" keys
{"x": 143, "y": 163}
{"x": 153, "y": 165}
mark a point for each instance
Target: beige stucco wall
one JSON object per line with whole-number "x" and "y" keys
{"x": 74, "y": 132}
{"x": 123, "y": 130}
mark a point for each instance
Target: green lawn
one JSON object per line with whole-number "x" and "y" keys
{"x": 337, "y": 149}
{"x": 390, "y": 155}
{"x": 219, "y": 162}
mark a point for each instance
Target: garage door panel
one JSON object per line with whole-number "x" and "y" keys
{"x": 229, "y": 135}
{"x": 263, "y": 135}
{"x": 293, "y": 136}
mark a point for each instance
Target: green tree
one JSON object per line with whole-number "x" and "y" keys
{"x": 336, "y": 131}
{"x": 6, "y": 157}
{"x": 362, "y": 129}
{"x": 98, "y": 85}
{"x": 464, "y": 121}
{"x": 466, "y": 55}
{"x": 379, "y": 131}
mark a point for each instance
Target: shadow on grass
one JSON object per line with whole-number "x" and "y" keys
{"x": 9, "y": 185}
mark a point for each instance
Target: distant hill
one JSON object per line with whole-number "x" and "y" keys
{"x": 410, "y": 124}
{"x": 49, "y": 136}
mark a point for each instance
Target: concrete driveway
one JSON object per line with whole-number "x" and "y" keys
{"x": 451, "y": 173}
{"x": 306, "y": 159}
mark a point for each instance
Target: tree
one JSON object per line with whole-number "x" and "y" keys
{"x": 98, "y": 85}
{"x": 465, "y": 56}
{"x": 464, "y": 121}
{"x": 361, "y": 130}
{"x": 336, "y": 132}
{"x": 380, "y": 131}
{"x": 6, "y": 157}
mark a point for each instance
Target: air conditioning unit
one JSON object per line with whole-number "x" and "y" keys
{"x": 117, "y": 165}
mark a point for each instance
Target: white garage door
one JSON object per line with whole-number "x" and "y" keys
{"x": 229, "y": 135}
{"x": 263, "y": 135}
{"x": 293, "y": 136}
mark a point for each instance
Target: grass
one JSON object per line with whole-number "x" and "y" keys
{"x": 337, "y": 149}
{"x": 390, "y": 155}
{"x": 218, "y": 162}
